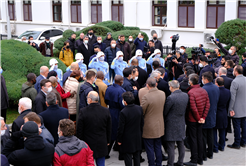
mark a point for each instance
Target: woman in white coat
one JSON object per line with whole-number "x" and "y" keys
{"x": 71, "y": 85}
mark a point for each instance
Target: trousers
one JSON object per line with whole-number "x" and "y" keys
{"x": 170, "y": 152}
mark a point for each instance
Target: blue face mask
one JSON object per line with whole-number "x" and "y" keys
{"x": 141, "y": 39}
{"x": 1, "y": 71}
{"x": 120, "y": 59}
{"x": 139, "y": 58}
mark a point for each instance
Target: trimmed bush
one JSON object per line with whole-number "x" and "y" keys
{"x": 131, "y": 28}
{"x": 98, "y": 30}
{"x": 56, "y": 52}
{"x": 127, "y": 33}
{"x": 114, "y": 25}
{"x": 233, "y": 33}
{"x": 67, "y": 33}
{"x": 59, "y": 43}
{"x": 17, "y": 60}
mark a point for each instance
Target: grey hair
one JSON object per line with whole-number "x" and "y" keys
{"x": 85, "y": 37}
{"x": 1, "y": 118}
{"x": 51, "y": 98}
{"x": 151, "y": 82}
{"x": 223, "y": 70}
{"x": 94, "y": 97}
{"x": 174, "y": 84}
{"x": 26, "y": 102}
{"x": 154, "y": 74}
{"x": 99, "y": 36}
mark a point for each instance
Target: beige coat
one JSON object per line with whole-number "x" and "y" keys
{"x": 141, "y": 93}
{"x": 102, "y": 87}
{"x": 153, "y": 106}
{"x": 71, "y": 85}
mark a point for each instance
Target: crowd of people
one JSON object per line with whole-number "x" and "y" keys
{"x": 125, "y": 96}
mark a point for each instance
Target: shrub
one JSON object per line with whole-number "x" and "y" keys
{"x": 233, "y": 33}
{"x": 67, "y": 33}
{"x": 59, "y": 43}
{"x": 56, "y": 52}
{"x": 98, "y": 30}
{"x": 132, "y": 28}
{"x": 17, "y": 60}
{"x": 114, "y": 25}
{"x": 127, "y": 33}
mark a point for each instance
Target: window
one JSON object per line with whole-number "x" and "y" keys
{"x": 27, "y": 10}
{"x": 76, "y": 11}
{"x": 57, "y": 11}
{"x": 159, "y": 13}
{"x": 186, "y": 14}
{"x": 96, "y": 11}
{"x": 117, "y": 11}
{"x": 215, "y": 13}
{"x": 45, "y": 34}
{"x": 56, "y": 33}
{"x": 242, "y": 10}
{"x": 11, "y": 8}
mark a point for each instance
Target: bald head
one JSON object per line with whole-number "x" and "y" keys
{"x": 74, "y": 66}
{"x": 134, "y": 62}
{"x": 118, "y": 80}
{"x": 100, "y": 75}
{"x": 53, "y": 81}
{"x": 92, "y": 97}
{"x": 44, "y": 70}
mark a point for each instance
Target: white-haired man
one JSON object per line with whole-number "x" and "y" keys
{"x": 25, "y": 106}
{"x": 44, "y": 70}
{"x": 4, "y": 133}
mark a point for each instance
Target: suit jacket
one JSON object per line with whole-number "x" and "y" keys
{"x": 94, "y": 127}
{"x": 51, "y": 118}
{"x": 238, "y": 96}
{"x": 163, "y": 86}
{"x": 86, "y": 52}
{"x": 153, "y": 106}
{"x": 142, "y": 77}
{"x": 101, "y": 45}
{"x": 19, "y": 121}
{"x": 227, "y": 81}
{"x": 40, "y": 103}
{"x": 130, "y": 128}
{"x": 126, "y": 49}
{"x": 4, "y": 94}
{"x": 92, "y": 40}
{"x": 143, "y": 91}
{"x": 65, "y": 76}
{"x": 205, "y": 69}
{"x": 37, "y": 85}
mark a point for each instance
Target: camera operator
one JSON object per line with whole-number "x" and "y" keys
{"x": 206, "y": 67}
{"x": 214, "y": 61}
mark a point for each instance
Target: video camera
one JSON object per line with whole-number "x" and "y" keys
{"x": 175, "y": 37}
{"x": 211, "y": 59}
{"x": 169, "y": 59}
{"x": 196, "y": 52}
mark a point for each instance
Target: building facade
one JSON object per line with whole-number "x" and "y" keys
{"x": 192, "y": 20}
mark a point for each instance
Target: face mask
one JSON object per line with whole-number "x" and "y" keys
{"x": 79, "y": 61}
{"x": 189, "y": 83}
{"x": 120, "y": 59}
{"x": 141, "y": 39}
{"x": 55, "y": 67}
{"x": 2, "y": 132}
{"x": 101, "y": 58}
{"x": 99, "y": 41}
{"x": 139, "y": 57}
{"x": 113, "y": 45}
{"x": 1, "y": 71}
{"x": 80, "y": 79}
{"x": 154, "y": 38}
{"x": 230, "y": 51}
{"x": 49, "y": 89}
{"x": 86, "y": 41}
{"x": 24, "y": 41}
{"x": 58, "y": 134}
{"x": 135, "y": 79}
{"x": 233, "y": 73}
{"x": 130, "y": 40}
{"x": 202, "y": 82}
{"x": 68, "y": 47}
{"x": 91, "y": 33}
{"x": 158, "y": 55}
{"x": 200, "y": 65}
{"x": 47, "y": 41}
{"x": 31, "y": 41}
{"x": 118, "y": 39}
{"x": 181, "y": 51}
{"x": 123, "y": 103}
{"x": 19, "y": 110}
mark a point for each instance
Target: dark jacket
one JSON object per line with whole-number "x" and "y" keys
{"x": 72, "y": 44}
{"x": 84, "y": 90}
{"x": 36, "y": 46}
{"x": 29, "y": 91}
{"x": 47, "y": 137}
{"x": 65, "y": 76}
{"x": 42, "y": 48}
{"x": 107, "y": 41}
{"x": 5, "y": 137}
{"x": 110, "y": 54}
{"x": 19, "y": 121}
{"x": 178, "y": 68}
{"x": 94, "y": 127}
{"x": 205, "y": 69}
{"x": 140, "y": 44}
{"x": 213, "y": 94}
{"x": 4, "y": 160}
{"x": 244, "y": 67}
{"x": 174, "y": 116}
{"x": 230, "y": 73}
{"x": 126, "y": 49}
{"x": 35, "y": 152}
{"x": 51, "y": 118}
{"x": 78, "y": 43}
{"x": 184, "y": 84}
{"x": 149, "y": 52}
{"x": 234, "y": 58}
{"x": 227, "y": 81}
{"x": 158, "y": 45}
{"x": 127, "y": 85}
{"x": 130, "y": 129}
{"x": 113, "y": 98}
{"x": 71, "y": 151}
{"x": 37, "y": 85}
{"x": 101, "y": 45}
{"x": 163, "y": 86}
{"x": 4, "y": 94}
{"x": 40, "y": 103}
{"x": 133, "y": 48}
{"x": 92, "y": 40}
{"x": 86, "y": 52}
{"x": 184, "y": 55}
{"x": 198, "y": 104}
{"x": 142, "y": 77}
{"x": 222, "y": 107}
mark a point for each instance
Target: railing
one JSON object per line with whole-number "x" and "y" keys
{"x": 3, "y": 37}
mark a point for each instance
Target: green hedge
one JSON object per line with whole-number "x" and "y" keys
{"x": 67, "y": 33}
{"x": 17, "y": 60}
{"x": 132, "y": 28}
{"x": 114, "y": 25}
{"x": 127, "y": 33}
{"x": 98, "y": 30}
{"x": 233, "y": 33}
{"x": 59, "y": 43}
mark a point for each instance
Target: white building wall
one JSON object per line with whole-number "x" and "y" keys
{"x": 231, "y": 9}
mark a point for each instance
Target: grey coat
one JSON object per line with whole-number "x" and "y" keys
{"x": 238, "y": 97}
{"x": 174, "y": 116}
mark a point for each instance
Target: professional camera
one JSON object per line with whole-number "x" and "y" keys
{"x": 196, "y": 52}
{"x": 175, "y": 37}
{"x": 211, "y": 59}
{"x": 169, "y": 59}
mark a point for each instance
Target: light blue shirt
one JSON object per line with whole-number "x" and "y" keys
{"x": 82, "y": 67}
{"x": 100, "y": 66}
{"x": 150, "y": 61}
{"x": 59, "y": 75}
{"x": 141, "y": 63}
{"x": 118, "y": 66}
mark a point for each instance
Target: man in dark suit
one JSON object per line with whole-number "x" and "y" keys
{"x": 53, "y": 115}
{"x": 4, "y": 98}
{"x": 221, "y": 115}
{"x": 229, "y": 66}
{"x": 74, "y": 66}
{"x": 44, "y": 70}
{"x": 158, "y": 43}
{"x": 92, "y": 37}
{"x": 86, "y": 49}
{"x": 142, "y": 74}
{"x": 162, "y": 85}
{"x": 99, "y": 42}
{"x": 206, "y": 67}
{"x": 25, "y": 106}
{"x": 40, "y": 99}
{"x": 94, "y": 127}
{"x": 129, "y": 135}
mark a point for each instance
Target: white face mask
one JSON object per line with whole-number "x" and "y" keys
{"x": 139, "y": 57}
{"x": 99, "y": 41}
{"x": 19, "y": 110}
{"x": 123, "y": 103}
{"x": 130, "y": 40}
{"x": 55, "y": 67}
{"x": 200, "y": 65}
{"x": 31, "y": 41}
{"x": 47, "y": 41}
{"x": 120, "y": 59}
{"x": 233, "y": 73}
{"x": 158, "y": 55}
{"x": 58, "y": 134}
{"x": 135, "y": 79}
{"x": 203, "y": 82}
{"x": 86, "y": 41}
{"x": 2, "y": 132}
{"x": 101, "y": 58}
{"x": 181, "y": 51}
{"x": 230, "y": 51}
{"x": 113, "y": 45}
{"x": 49, "y": 89}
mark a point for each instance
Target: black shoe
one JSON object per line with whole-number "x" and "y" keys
{"x": 190, "y": 163}
{"x": 215, "y": 151}
{"x": 107, "y": 157}
{"x": 205, "y": 159}
{"x": 229, "y": 131}
{"x": 142, "y": 159}
{"x": 226, "y": 139}
{"x": 233, "y": 146}
{"x": 121, "y": 157}
{"x": 200, "y": 162}
{"x": 243, "y": 145}
{"x": 164, "y": 158}
{"x": 210, "y": 157}
{"x": 221, "y": 149}
{"x": 176, "y": 164}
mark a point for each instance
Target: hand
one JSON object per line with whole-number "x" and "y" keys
{"x": 200, "y": 45}
{"x": 119, "y": 143}
{"x": 196, "y": 62}
{"x": 40, "y": 130}
{"x": 165, "y": 59}
{"x": 21, "y": 127}
{"x": 201, "y": 120}
{"x": 30, "y": 44}
{"x": 175, "y": 61}
{"x": 108, "y": 144}
{"x": 232, "y": 113}
{"x": 33, "y": 44}
{"x": 215, "y": 74}
{"x": 135, "y": 88}
{"x": 139, "y": 35}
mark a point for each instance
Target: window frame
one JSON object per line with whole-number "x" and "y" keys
{"x": 187, "y": 12}
{"x": 13, "y": 10}
{"x": 29, "y": 7}
{"x": 96, "y": 5}
{"x": 118, "y": 6}
{"x": 60, "y": 15}
{"x": 214, "y": 5}
{"x": 153, "y": 13}
{"x": 78, "y": 5}
{"x": 240, "y": 5}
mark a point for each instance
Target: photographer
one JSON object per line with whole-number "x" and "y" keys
{"x": 214, "y": 61}
{"x": 206, "y": 67}
{"x": 32, "y": 43}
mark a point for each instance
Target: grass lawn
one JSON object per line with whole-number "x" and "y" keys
{"x": 12, "y": 114}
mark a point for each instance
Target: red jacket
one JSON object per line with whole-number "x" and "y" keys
{"x": 63, "y": 95}
{"x": 198, "y": 103}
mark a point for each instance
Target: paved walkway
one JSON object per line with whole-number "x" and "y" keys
{"x": 229, "y": 157}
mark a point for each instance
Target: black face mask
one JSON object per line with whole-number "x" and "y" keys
{"x": 68, "y": 47}
{"x": 91, "y": 33}
{"x": 154, "y": 38}
{"x": 80, "y": 79}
